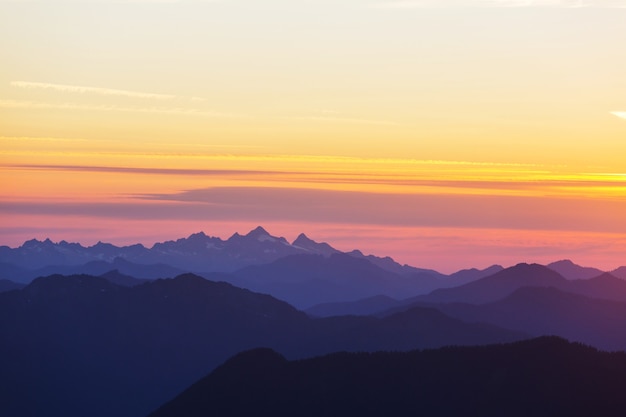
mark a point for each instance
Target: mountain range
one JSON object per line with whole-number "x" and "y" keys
{"x": 257, "y": 261}
{"x": 69, "y": 343}
{"x": 106, "y": 330}
{"x": 198, "y": 252}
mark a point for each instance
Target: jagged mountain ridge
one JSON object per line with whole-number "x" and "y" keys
{"x": 202, "y": 253}
{"x": 196, "y": 253}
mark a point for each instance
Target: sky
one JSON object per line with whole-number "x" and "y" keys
{"x": 446, "y": 134}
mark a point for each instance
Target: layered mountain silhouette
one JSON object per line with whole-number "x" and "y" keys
{"x": 541, "y": 377}
{"x": 97, "y": 330}
{"x": 570, "y": 270}
{"x": 503, "y": 283}
{"x": 485, "y": 290}
{"x": 620, "y": 272}
{"x": 498, "y": 285}
{"x": 304, "y": 280}
{"x": 7, "y": 285}
{"x": 82, "y": 345}
{"x": 258, "y": 261}
{"x": 303, "y": 272}
{"x": 550, "y": 311}
{"x": 381, "y": 302}
{"x": 198, "y": 252}
{"x": 363, "y": 307}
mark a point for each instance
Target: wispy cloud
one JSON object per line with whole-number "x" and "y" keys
{"x": 147, "y": 171}
{"x": 564, "y": 4}
{"x": 621, "y": 114}
{"x": 90, "y": 90}
{"x": 20, "y": 104}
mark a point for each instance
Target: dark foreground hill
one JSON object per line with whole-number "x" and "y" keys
{"x": 541, "y": 377}
{"x": 75, "y": 346}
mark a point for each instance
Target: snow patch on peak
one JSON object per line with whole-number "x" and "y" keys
{"x": 266, "y": 238}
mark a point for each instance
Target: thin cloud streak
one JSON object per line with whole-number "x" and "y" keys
{"x": 620, "y": 114}
{"x": 351, "y": 178}
{"x": 318, "y": 159}
{"x": 91, "y": 90}
{"x": 20, "y": 104}
{"x": 149, "y": 171}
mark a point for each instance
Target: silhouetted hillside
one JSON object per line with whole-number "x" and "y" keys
{"x": 381, "y": 303}
{"x": 570, "y": 270}
{"x": 309, "y": 280}
{"x": 549, "y": 311}
{"x": 12, "y": 272}
{"x": 96, "y": 268}
{"x": 540, "y": 377}
{"x": 465, "y": 276}
{"x": 497, "y": 286}
{"x": 605, "y": 286}
{"x": 389, "y": 264}
{"x": 82, "y": 346}
{"x": 6, "y": 285}
{"x": 116, "y": 277}
{"x": 620, "y": 272}
{"x": 501, "y": 284}
{"x": 306, "y": 280}
{"x": 362, "y": 307}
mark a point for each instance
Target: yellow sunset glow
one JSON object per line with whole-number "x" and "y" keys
{"x": 433, "y": 117}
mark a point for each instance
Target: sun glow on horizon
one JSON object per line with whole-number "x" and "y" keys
{"x": 158, "y": 115}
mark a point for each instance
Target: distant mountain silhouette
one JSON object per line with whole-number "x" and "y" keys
{"x": 304, "y": 272}
{"x": 83, "y": 346}
{"x": 362, "y": 307}
{"x": 465, "y": 276}
{"x": 540, "y": 377}
{"x": 14, "y": 273}
{"x": 498, "y": 285}
{"x": 502, "y": 284}
{"x": 605, "y": 286}
{"x": 35, "y": 254}
{"x": 620, "y": 272}
{"x": 97, "y": 268}
{"x": 116, "y": 277}
{"x": 549, "y": 311}
{"x": 197, "y": 253}
{"x": 306, "y": 280}
{"x": 380, "y": 303}
{"x": 303, "y": 242}
{"x": 570, "y": 270}
{"x": 389, "y": 264}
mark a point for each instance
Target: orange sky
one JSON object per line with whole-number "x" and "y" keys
{"x": 447, "y": 135}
